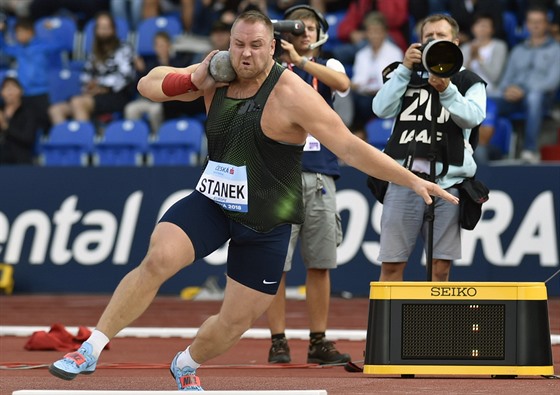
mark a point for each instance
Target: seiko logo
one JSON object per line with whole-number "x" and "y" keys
{"x": 453, "y": 291}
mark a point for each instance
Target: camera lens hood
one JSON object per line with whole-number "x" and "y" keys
{"x": 442, "y": 58}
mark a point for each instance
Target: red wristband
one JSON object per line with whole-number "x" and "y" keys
{"x": 175, "y": 84}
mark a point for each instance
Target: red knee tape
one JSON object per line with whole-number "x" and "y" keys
{"x": 175, "y": 84}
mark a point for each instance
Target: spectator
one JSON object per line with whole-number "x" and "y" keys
{"x": 325, "y": 6}
{"x": 19, "y": 8}
{"x": 462, "y": 102}
{"x": 531, "y": 79}
{"x": 321, "y": 231}
{"x": 464, "y": 11}
{"x": 351, "y": 31}
{"x": 368, "y": 67}
{"x": 219, "y": 39}
{"x": 131, "y": 11}
{"x": 486, "y": 56}
{"x": 277, "y": 7}
{"x": 233, "y": 8}
{"x": 199, "y": 15}
{"x": 33, "y": 65}
{"x": 185, "y": 8}
{"x": 108, "y": 77}
{"x": 140, "y": 107}
{"x": 520, "y": 7}
{"x": 18, "y": 126}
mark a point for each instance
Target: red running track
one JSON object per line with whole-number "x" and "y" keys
{"x": 142, "y": 364}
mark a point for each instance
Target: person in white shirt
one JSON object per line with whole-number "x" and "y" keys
{"x": 369, "y": 63}
{"x": 486, "y": 56}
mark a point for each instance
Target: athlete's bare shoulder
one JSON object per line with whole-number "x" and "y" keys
{"x": 281, "y": 114}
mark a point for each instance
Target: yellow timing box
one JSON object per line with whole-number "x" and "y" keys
{"x": 6, "y": 278}
{"x": 466, "y": 328}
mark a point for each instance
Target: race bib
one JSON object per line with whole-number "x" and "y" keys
{"x": 311, "y": 144}
{"x": 226, "y": 185}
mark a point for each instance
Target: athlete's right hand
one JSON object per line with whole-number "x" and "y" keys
{"x": 201, "y": 77}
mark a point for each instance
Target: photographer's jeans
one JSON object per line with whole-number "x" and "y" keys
{"x": 532, "y": 108}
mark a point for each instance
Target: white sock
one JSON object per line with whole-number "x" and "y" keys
{"x": 98, "y": 341}
{"x": 185, "y": 359}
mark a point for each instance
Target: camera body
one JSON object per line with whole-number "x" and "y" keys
{"x": 281, "y": 28}
{"x": 294, "y": 25}
{"x": 440, "y": 57}
{"x": 418, "y": 67}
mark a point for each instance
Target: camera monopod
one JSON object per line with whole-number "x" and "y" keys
{"x": 432, "y": 157}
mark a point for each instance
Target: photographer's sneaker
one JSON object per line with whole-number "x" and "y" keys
{"x": 75, "y": 363}
{"x": 186, "y": 377}
{"x": 530, "y": 157}
{"x": 279, "y": 351}
{"x": 325, "y": 353}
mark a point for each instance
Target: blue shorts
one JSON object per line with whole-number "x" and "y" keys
{"x": 255, "y": 259}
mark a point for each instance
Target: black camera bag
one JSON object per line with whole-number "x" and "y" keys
{"x": 472, "y": 194}
{"x": 377, "y": 187}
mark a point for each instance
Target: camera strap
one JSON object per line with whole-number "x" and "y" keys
{"x": 417, "y": 80}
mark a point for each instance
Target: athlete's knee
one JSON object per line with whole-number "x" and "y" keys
{"x": 161, "y": 261}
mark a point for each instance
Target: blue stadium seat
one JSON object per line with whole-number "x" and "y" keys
{"x": 515, "y": 31}
{"x": 63, "y": 84}
{"x": 68, "y": 144}
{"x": 61, "y": 31}
{"x": 178, "y": 142}
{"x": 502, "y": 139}
{"x": 378, "y": 131}
{"x": 123, "y": 31}
{"x": 124, "y": 143}
{"x": 148, "y": 29}
{"x": 7, "y": 73}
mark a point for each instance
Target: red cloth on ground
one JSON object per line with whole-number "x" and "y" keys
{"x": 58, "y": 338}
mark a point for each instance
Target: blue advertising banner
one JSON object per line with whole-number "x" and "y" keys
{"x": 82, "y": 229}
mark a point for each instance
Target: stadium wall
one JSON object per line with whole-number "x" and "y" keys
{"x": 80, "y": 230}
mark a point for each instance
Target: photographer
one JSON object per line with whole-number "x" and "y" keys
{"x": 407, "y": 96}
{"x": 321, "y": 233}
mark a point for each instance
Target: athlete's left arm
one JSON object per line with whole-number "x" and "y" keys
{"x": 305, "y": 110}
{"x": 466, "y": 111}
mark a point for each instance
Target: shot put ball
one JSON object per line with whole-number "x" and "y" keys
{"x": 220, "y": 67}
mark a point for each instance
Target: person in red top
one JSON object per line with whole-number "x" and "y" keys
{"x": 395, "y": 12}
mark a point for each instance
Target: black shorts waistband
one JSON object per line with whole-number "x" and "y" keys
{"x": 422, "y": 175}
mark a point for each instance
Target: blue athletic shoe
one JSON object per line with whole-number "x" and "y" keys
{"x": 186, "y": 378}
{"x": 75, "y": 363}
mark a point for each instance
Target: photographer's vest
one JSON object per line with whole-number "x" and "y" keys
{"x": 273, "y": 169}
{"x": 414, "y": 123}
